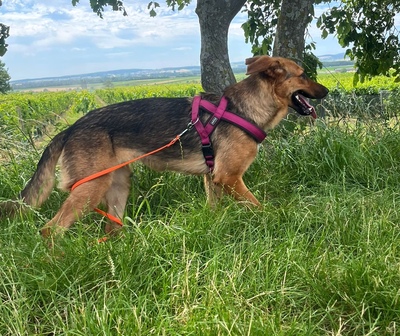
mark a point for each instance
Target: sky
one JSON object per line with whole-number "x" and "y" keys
{"x": 52, "y": 38}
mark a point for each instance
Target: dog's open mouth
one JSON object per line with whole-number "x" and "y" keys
{"x": 302, "y": 106}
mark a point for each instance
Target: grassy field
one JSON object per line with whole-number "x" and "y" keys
{"x": 111, "y": 84}
{"x": 321, "y": 258}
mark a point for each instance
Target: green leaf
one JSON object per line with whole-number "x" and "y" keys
{"x": 153, "y": 13}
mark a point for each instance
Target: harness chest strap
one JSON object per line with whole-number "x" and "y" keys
{"x": 219, "y": 113}
{"x": 206, "y": 130}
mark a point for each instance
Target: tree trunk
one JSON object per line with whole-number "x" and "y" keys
{"x": 215, "y": 16}
{"x": 290, "y": 31}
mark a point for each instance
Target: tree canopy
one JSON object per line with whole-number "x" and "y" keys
{"x": 4, "y": 33}
{"x": 366, "y": 28}
{"x": 4, "y": 79}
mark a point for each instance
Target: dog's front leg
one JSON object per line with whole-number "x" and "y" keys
{"x": 234, "y": 185}
{"x": 231, "y": 185}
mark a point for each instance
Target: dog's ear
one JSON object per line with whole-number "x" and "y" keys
{"x": 255, "y": 64}
{"x": 271, "y": 66}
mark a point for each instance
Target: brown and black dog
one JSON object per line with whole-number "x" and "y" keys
{"x": 113, "y": 134}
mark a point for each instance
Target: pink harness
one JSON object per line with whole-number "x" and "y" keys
{"x": 219, "y": 113}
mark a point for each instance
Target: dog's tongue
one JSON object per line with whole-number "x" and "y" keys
{"x": 307, "y": 106}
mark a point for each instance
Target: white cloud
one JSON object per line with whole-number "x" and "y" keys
{"x": 182, "y": 48}
{"x": 82, "y": 22}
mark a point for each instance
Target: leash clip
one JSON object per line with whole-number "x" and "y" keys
{"x": 189, "y": 127}
{"x": 192, "y": 123}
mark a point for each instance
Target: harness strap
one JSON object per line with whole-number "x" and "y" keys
{"x": 206, "y": 130}
{"x": 219, "y": 113}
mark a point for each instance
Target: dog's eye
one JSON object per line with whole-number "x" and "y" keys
{"x": 303, "y": 75}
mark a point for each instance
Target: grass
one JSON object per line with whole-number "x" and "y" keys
{"x": 320, "y": 258}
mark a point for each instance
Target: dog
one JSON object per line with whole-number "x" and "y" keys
{"x": 116, "y": 133}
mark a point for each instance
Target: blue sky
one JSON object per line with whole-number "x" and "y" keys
{"x": 53, "y": 38}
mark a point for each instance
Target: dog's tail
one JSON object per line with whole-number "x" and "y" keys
{"x": 41, "y": 184}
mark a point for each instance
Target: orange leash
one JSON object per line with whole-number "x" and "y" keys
{"x": 111, "y": 169}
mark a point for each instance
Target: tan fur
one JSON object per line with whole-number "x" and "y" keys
{"x": 263, "y": 97}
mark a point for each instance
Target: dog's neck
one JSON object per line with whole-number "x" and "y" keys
{"x": 255, "y": 99}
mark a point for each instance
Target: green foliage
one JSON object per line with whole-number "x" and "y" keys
{"x": 152, "y": 6}
{"x": 343, "y": 82}
{"x": 311, "y": 63}
{"x": 82, "y": 103}
{"x": 375, "y": 98}
{"x": 28, "y": 119}
{"x": 260, "y": 26}
{"x": 174, "y": 4}
{"x": 118, "y": 94}
{"x": 368, "y": 29}
{"x": 179, "y": 4}
{"x": 99, "y": 5}
{"x": 260, "y": 29}
{"x": 4, "y": 78}
{"x": 4, "y": 33}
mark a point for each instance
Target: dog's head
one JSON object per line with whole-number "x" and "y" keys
{"x": 291, "y": 84}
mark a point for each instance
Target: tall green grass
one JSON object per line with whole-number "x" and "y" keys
{"x": 320, "y": 258}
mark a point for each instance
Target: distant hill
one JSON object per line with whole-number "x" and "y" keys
{"x": 337, "y": 61}
{"x": 83, "y": 80}
{"x": 102, "y": 76}
{"x": 332, "y": 57}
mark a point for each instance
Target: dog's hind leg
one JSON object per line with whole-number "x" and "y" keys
{"x": 116, "y": 197}
{"x": 81, "y": 200}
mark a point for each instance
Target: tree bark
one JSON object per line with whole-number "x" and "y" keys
{"x": 215, "y": 17}
{"x": 290, "y": 31}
